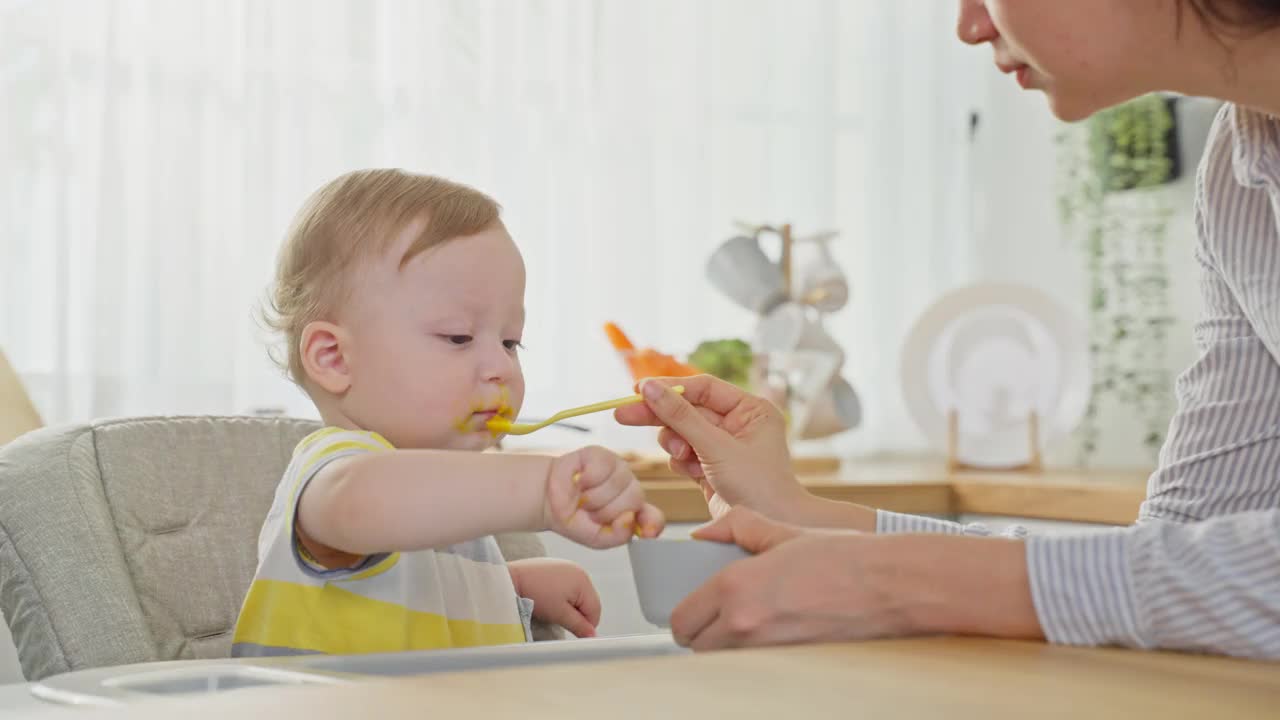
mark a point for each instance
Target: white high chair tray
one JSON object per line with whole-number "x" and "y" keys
{"x": 123, "y": 684}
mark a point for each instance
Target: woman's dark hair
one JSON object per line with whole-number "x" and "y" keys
{"x": 1238, "y": 16}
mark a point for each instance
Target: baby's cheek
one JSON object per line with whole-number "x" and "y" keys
{"x": 441, "y": 411}
{"x": 514, "y": 392}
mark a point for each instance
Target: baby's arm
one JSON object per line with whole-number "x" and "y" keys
{"x": 405, "y": 500}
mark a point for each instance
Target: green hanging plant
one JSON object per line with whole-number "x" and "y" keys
{"x": 1112, "y": 167}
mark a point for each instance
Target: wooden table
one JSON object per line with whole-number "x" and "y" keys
{"x": 926, "y": 678}
{"x": 926, "y": 487}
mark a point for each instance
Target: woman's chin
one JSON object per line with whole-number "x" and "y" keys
{"x": 1076, "y": 106}
{"x": 1069, "y": 109}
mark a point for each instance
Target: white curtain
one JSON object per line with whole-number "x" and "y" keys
{"x": 152, "y": 153}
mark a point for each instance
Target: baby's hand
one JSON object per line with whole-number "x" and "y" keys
{"x": 561, "y": 592}
{"x": 593, "y": 498}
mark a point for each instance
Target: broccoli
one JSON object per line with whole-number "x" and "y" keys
{"x": 729, "y": 359}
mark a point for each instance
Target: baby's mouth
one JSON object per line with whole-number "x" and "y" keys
{"x": 502, "y": 411}
{"x": 480, "y": 418}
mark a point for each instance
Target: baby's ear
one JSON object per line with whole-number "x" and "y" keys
{"x": 323, "y": 350}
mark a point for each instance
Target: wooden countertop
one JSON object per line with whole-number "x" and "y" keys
{"x": 924, "y": 487}
{"x": 926, "y": 678}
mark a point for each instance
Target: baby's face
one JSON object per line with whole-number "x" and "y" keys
{"x": 434, "y": 346}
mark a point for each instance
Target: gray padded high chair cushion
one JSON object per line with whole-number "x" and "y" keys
{"x": 135, "y": 540}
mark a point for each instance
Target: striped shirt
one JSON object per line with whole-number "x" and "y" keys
{"x": 1201, "y": 568}
{"x": 456, "y": 596}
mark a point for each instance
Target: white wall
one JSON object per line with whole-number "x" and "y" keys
{"x": 1019, "y": 237}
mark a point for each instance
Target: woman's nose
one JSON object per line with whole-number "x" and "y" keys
{"x": 973, "y": 25}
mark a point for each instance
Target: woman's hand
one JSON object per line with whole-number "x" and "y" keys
{"x": 801, "y": 586}
{"x": 730, "y": 441}
{"x": 831, "y": 586}
{"x": 735, "y": 445}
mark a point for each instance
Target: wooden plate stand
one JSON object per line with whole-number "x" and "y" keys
{"x": 1035, "y": 464}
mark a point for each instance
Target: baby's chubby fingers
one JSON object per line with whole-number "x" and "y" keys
{"x": 620, "y": 512}
{"x": 598, "y": 493}
{"x": 650, "y": 521}
{"x": 598, "y": 501}
{"x": 610, "y": 500}
{"x": 595, "y": 467}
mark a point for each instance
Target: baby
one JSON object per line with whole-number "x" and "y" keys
{"x": 401, "y": 297}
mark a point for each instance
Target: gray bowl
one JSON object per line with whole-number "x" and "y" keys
{"x": 666, "y": 571}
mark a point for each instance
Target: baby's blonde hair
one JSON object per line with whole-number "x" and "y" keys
{"x": 349, "y": 220}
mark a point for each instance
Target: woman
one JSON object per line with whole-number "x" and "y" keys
{"x": 1201, "y": 569}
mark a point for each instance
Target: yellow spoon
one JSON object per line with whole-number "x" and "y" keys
{"x": 503, "y": 426}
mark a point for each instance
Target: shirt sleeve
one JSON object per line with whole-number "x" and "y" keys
{"x": 891, "y": 522}
{"x": 1223, "y": 443}
{"x": 1208, "y": 586}
{"x": 327, "y": 447}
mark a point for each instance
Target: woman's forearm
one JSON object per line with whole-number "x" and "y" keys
{"x": 959, "y": 585}
{"x": 809, "y": 510}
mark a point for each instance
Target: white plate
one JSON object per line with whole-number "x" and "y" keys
{"x": 994, "y": 353}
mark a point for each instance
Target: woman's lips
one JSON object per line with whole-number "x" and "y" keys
{"x": 1024, "y": 77}
{"x": 1021, "y": 71}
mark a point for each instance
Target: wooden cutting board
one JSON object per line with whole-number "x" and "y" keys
{"x": 654, "y": 467}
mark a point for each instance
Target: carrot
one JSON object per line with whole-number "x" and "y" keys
{"x": 647, "y": 362}
{"x": 651, "y": 363}
{"x": 617, "y": 337}
{"x": 675, "y": 368}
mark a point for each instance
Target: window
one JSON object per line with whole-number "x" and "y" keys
{"x": 155, "y": 152}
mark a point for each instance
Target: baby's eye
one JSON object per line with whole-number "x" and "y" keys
{"x": 458, "y": 339}
{"x": 513, "y": 345}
